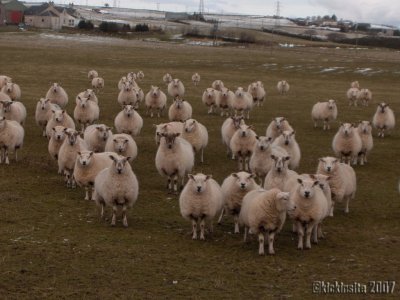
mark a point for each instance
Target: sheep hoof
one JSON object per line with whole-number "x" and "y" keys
{"x": 272, "y": 253}
{"x": 299, "y": 248}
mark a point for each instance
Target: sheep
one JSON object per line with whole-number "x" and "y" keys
{"x": 347, "y": 143}
{"x": 234, "y": 188}
{"x": 128, "y": 121}
{"x": 174, "y": 159}
{"x": 242, "y": 102}
{"x": 56, "y": 140}
{"x": 87, "y": 166}
{"x": 92, "y": 74}
{"x": 383, "y": 119}
{"x": 176, "y": 88}
{"x": 167, "y": 78}
{"x": 324, "y": 111}
{"x": 88, "y": 93}
{"x": 155, "y": 100}
{"x": 310, "y": 209}
{"x": 96, "y": 137}
{"x": 264, "y": 212}
{"x": 86, "y": 112}
{"x": 260, "y": 161}
{"x": 67, "y": 154}
{"x": 4, "y": 97}
{"x": 365, "y": 131}
{"x": 116, "y": 186}
{"x": 127, "y": 95}
{"x": 121, "y": 82}
{"x": 57, "y": 95}
{"x": 132, "y": 76}
{"x": 3, "y": 80}
{"x": 61, "y": 118}
{"x": 342, "y": 181}
{"x": 242, "y": 145}
{"x": 364, "y": 96}
{"x": 200, "y": 201}
{"x": 257, "y": 91}
{"x": 122, "y": 144}
{"x": 139, "y": 96}
{"x": 224, "y": 101}
{"x": 355, "y": 84}
{"x": 13, "y": 110}
{"x": 180, "y": 110}
{"x": 287, "y": 141}
{"x": 209, "y": 99}
{"x": 196, "y": 79}
{"x": 279, "y": 176}
{"x": 277, "y": 126}
{"x": 174, "y": 127}
{"x": 228, "y": 129}
{"x": 97, "y": 83}
{"x": 44, "y": 111}
{"x": 197, "y": 135}
{"x": 217, "y": 85}
{"x": 352, "y": 94}
{"x": 140, "y": 75}
{"x": 12, "y": 90}
{"x": 11, "y": 138}
{"x": 283, "y": 87}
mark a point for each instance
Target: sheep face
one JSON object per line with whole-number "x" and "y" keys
{"x": 210, "y": 93}
{"x": 322, "y": 179}
{"x": 176, "y": 82}
{"x": 89, "y": 93}
{"x": 137, "y": 92}
{"x": 347, "y": 129}
{"x": 218, "y": 85}
{"x": 288, "y": 136}
{"x": 58, "y": 115}
{"x": 7, "y": 105}
{"x": 382, "y": 107}
{"x": 170, "y": 139}
{"x": 44, "y": 103}
{"x": 2, "y": 122}
{"x": 364, "y": 127}
{"x": 120, "y": 144}
{"x": 199, "y": 182}
{"x": 131, "y": 76}
{"x": 119, "y": 164}
{"x": 280, "y": 162}
{"x": 263, "y": 142}
{"x": 128, "y": 110}
{"x": 167, "y": 78}
{"x": 155, "y": 91}
{"x": 237, "y": 121}
{"x": 283, "y": 203}
{"x": 224, "y": 92}
{"x": 140, "y": 75}
{"x": 239, "y": 92}
{"x": 9, "y": 87}
{"x": 190, "y": 125}
{"x": 329, "y": 164}
{"x": 55, "y": 87}
{"x": 85, "y": 157}
{"x": 127, "y": 86}
{"x": 245, "y": 130}
{"x": 103, "y": 132}
{"x": 59, "y": 133}
{"x": 307, "y": 187}
{"x": 244, "y": 181}
{"x": 331, "y": 104}
{"x": 178, "y": 103}
{"x": 279, "y": 122}
{"x": 83, "y": 102}
{"x": 72, "y": 136}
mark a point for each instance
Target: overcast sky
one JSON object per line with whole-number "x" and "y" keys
{"x": 372, "y": 11}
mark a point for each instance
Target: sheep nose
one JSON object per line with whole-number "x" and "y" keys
{"x": 169, "y": 146}
{"x": 286, "y": 142}
{"x": 242, "y": 185}
{"x": 199, "y": 189}
{"x": 84, "y": 163}
{"x": 262, "y": 147}
{"x": 328, "y": 169}
{"x": 307, "y": 194}
{"x": 243, "y": 133}
{"x": 119, "y": 171}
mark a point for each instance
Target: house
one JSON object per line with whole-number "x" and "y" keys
{"x": 51, "y": 16}
{"x": 11, "y": 12}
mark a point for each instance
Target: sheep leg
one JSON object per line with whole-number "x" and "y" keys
{"x": 114, "y": 215}
{"x": 221, "y": 216}
{"x": 314, "y": 233}
{"x": 236, "y": 220}
{"x": 362, "y": 159}
{"x": 44, "y": 132}
{"x": 202, "y": 155}
{"x": 6, "y": 160}
{"x": 240, "y": 160}
{"x": 346, "y": 210}
{"x": 247, "y": 163}
{"x": 271, "y": 237}
{"x": 102, "y": 211}
{"x": 261, "y": 243}
{"x": 202, "y": 228}
{"x": 176, "y": 184}
{"x": 245, "y": 234}
{"x": 320, "y": 232}
{"x": 354, "y": 159}
{"x": 86, "y": 193}
{"x": 316, "y": 124}
{"x": 1, "y": 155}
{"x": 332, "y": 208}
{"x": 300, "y": 234}
{"x": 194, "y": 229}
{"x": 211, "y": 226}
{"x": 309, "y": 230}
{"x": 73, "y": 182}
{"x": 169, "y": 184}
{"x": 124, "y": 217}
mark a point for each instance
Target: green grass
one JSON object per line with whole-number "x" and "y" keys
{"x": 53, "y": 245}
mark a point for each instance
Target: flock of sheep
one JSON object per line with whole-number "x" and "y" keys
{"x": 259, "y": 196}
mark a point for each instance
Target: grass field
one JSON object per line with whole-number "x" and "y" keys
{"x": 53, "y": 245}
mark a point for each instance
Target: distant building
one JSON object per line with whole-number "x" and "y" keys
{"x": 11, "y": 12}
{"x": 176, "y": 16}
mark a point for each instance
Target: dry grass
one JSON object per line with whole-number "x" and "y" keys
{"x": 53, "y": 244}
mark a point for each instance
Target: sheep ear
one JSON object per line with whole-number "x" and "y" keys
{"x": 299, "y": 180}
{"x": 54, "y": 129}
{"x": 109, "y": 128}
{"x": 115, "y": 140}
{"x": 316, "y": 182}
{"x": 63, "y": 111}
{"x": 91, "y": 153}
{"x": 65, "y": 129}
{"x": 112, "y": 158}
{"x": 208, "y": 177}
{"x": 79, "y": 98}
{"x": 235, "y": 175}
{"x": 287, "y": 157}
{"x": 53, "y": 111}
{"x": 269, "y": 138}
{"x": 190, "y": 176}
{"x": 79, "y": 153}
{"x": 312, "y": 176}
{"x": 177, "y": 134}
{"x": 321, "y": 160}
{"x": 328, "y": 178}
{"x": 257, "y": 137}
{"x": 335, "y": 161}
{"x": 252, "y": 175}
{"x": 273, "y": 156}
{"x": 293, "y": 132}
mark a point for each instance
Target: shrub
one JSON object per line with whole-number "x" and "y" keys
{"x": 142, "y": 27}
{"x": 87, "y": 25}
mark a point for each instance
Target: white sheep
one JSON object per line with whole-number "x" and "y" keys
{"x": 56, "y": 140}
{"x": 13, "y": 110}
{"x": 87, "y": 166}
{"x": 172, "y": 127}
{"x": 217, "y": 85}
{"x": 11, "y": 138}
{"x": 180, "y": 110}
{"x": 209, "y": 99}
{"x": 92, "y": 74}
{"x": 310, "y": 209}
{"x": 123, "y": 144}
{"x": 200, "y": 201}
{"x": 86, "y": 112}
{"x": 257, "y": 91}
{"x": 287, "y": 141}
{"x": 242, "y": 102}
{"x": 197, "y": 135}
{"x": 88, "y": 93}
{"x": 127, "y": 95}
{"x": 365, "y": 131}
{"x": 383, "y": 119}
{"x": 132, "y": 76}
{"x": 3, "y": 80}
{"x": 283, "y": 87}
{"x": 228, "y": 129}
{"x": 167, "y": 78}
{"x": 140, "y": 75}
{"x": 174, "y": 159}
{"x": 242, "y": 145}
{"x": 121, "y": 82}
{"x": 4, "y": 97}
{"x": 12, "y": 90}
{"x": 128, "y": 121}
{"x": 347, "y": 143}
{"x": 98, "y": 83}
{"x": 44, "y": 111}
{"x": 59, "y": 118}
{"x": 364, "y": 96}
{"x": 176, "y": 88}
{"x": 234, "y": 188}
{"x": 264, "y": 212}
{"x": 342, "y": 180}
{"x": 96, "y": 137}
{"x": 196, "y": 79}
{"x": 352, "y": 95}
{"x": 116, "y": 186}
{"x": 277, "y": 126}
{"x": 155, "y": 100}
{"x": 279, "y": 176}
{"x": 355, "y": 84}
{"x": 224, "y": 101}
{"x": 324, "y": 111}
{"x": 139, "y": 96}
{"x": 57, "y": 95}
